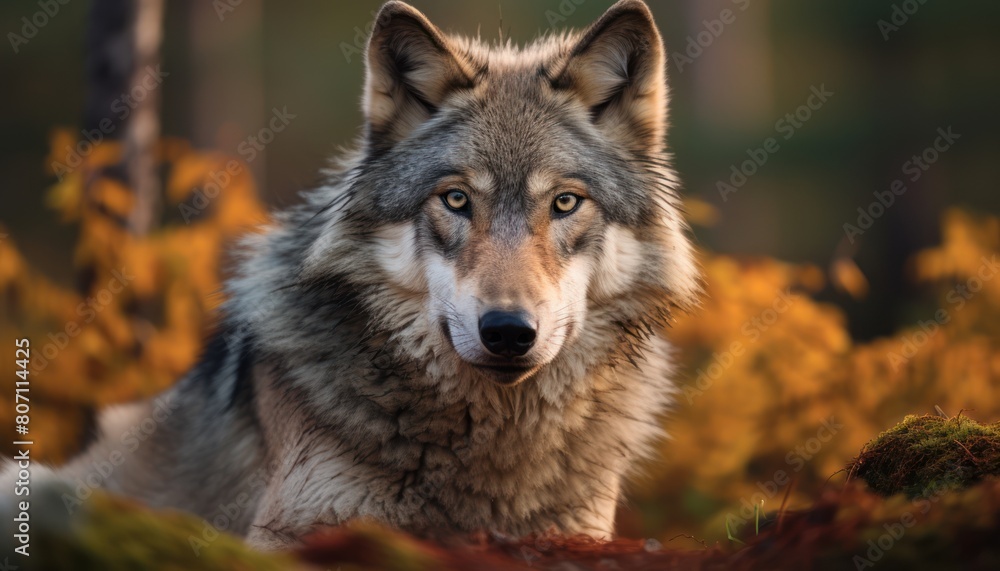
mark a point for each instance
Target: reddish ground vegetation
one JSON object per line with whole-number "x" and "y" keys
{"x": 847, "y": 528}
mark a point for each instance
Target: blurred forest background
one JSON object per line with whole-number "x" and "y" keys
{"x": 813, "y": 339}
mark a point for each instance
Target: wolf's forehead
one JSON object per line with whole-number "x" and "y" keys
{"x": 514, "y": 127}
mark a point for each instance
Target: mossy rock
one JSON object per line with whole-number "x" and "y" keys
{"x": 928, "y": 455}
{"x": 111, "y": 533}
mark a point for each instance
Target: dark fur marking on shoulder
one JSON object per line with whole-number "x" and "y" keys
{"x": 243, "y": 390}
{"x": 235, "y": 387}
{"x": 213, "y": 356}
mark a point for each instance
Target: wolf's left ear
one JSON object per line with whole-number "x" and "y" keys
{"x": 618, "y": 70}
{"x": 412, "y": 68}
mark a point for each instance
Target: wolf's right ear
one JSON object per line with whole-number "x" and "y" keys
{"x": 411, "y": 70}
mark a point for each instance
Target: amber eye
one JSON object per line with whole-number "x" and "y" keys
{"x": 566, "y": 203}
{"x": 456, "y": 200}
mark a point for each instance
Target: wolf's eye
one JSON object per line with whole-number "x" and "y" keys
{"x": 566, "y": 203}
{"x": 456, "y": 200}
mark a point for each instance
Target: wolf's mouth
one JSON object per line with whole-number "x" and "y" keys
{"x": 506, "y": 374}
{"x": 508, "y": 369}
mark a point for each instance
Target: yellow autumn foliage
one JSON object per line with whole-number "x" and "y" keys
{"x": 139, "y": 323}
{"x": 775, "y": 397}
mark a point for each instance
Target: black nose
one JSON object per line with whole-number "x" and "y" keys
{"x": 506, "y": 333}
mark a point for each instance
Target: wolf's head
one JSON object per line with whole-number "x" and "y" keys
{"x": 520, "y": 196}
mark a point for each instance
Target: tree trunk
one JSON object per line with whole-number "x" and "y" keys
{"x": 123, "y": 41}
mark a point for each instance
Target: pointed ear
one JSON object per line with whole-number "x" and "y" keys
{"x": 411, "y": 69}
{"x": 618, "y": 70}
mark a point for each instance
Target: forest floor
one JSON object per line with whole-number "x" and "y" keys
{"x": 942, "y": 512}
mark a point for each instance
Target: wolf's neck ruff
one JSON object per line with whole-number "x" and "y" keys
{"x": 466, "y": 456}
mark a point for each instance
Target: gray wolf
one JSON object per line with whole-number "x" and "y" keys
{"x": 463, "y": 328}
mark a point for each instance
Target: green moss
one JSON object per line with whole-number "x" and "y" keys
{"x": 926, "y": 455}
{"x": 111, "y": 534}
